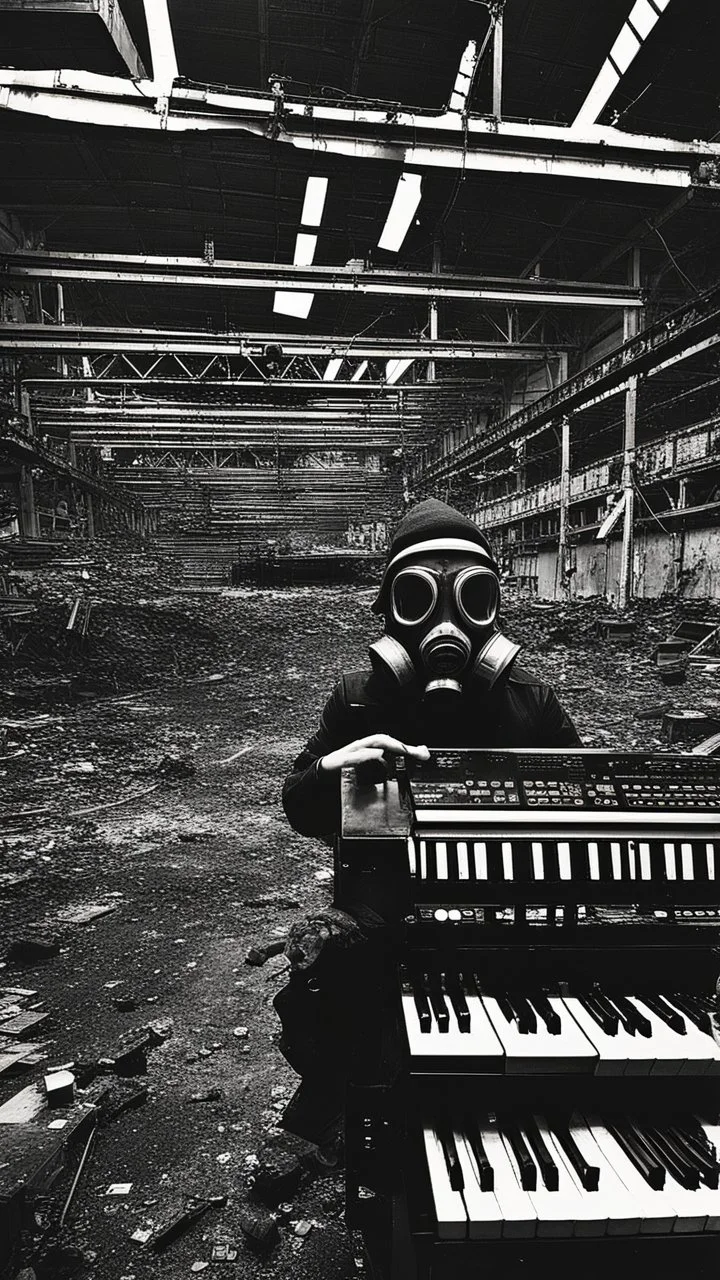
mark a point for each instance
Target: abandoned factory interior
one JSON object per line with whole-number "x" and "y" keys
{"x": 359, "y": 639}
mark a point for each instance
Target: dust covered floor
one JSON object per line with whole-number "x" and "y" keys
{"x": 202, "y": 865}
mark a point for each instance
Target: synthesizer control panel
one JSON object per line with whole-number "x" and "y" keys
{"x": 565, "y": 781}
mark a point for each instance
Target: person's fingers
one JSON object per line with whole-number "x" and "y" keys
{"x": 383, "y": 741}
{"x": 360, "y": 755}
{"x": 419, "y": 753}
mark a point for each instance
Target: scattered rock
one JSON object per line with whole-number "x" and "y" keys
{"x": 280, "y": 1165}
{"x": 259, "y": 1227}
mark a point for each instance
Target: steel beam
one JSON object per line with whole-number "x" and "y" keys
{"x": 145, "y": 269}
{"x": 89, "y": 338}
{"x": 162, "y": 47}
{"x": 26, "y": 446}
{"x": 107, "y": 10}
{"x": 683, "y": 333}
{"x": 418, "y": 139}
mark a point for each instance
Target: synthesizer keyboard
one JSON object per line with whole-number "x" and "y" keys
{"x": 552, "y": 925}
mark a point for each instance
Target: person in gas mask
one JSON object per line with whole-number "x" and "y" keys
{"x": 442, "y": 674}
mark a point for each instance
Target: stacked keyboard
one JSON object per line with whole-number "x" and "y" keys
{"x": 552, "y": 987}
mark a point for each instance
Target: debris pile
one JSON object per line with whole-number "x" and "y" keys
{"x": 108, "y": 618}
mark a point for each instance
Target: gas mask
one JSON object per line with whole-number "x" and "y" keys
{"x": 441, "y": 627}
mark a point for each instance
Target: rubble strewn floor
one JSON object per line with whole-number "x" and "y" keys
{"x": 143, "y": 834}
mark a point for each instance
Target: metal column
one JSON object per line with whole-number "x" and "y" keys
{"x": 562, "y": 558}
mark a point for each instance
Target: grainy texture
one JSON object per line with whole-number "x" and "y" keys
{"x": 204, "y": 868}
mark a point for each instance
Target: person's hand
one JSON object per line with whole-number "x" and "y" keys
{"x": 364, "y": 750}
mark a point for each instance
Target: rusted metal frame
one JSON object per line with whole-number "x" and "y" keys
{"x": 682, "y": 333}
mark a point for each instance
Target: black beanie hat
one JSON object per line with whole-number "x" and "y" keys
{"x": 437, "y": 522}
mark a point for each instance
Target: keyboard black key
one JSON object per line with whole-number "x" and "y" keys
{"x": 458, "y": 1001}
{"x": 436, "y": 997}
{"x": 452, "y": 1159}
{"x": 642, "y": 1024}
{"x": 604, "y": 1020}
{"x": 525, "y": 1016}
{"x": 702, "y": 1156}
{"x": 522, "y": 861}
{"x": 495, "y": 862}
{"x": 550, "y": 860}
{"x": 700, "y": 1018}
{"x": 605, "y": 862}
{"x": 669, "y": 1016}
{"x": 539, "y": 1001}
{"x": 526, "y": 1164}
{"x": 422, "y": 1005}
{"x": 546, "y": 1164}
{"x": 485, "y": 1169}
{"x": 676, "y": 1162}
{"x": 589, "y": 1174}
{"x": 645, "y": 1161}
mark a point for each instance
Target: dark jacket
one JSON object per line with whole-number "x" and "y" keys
{"x": 520, "y": 712}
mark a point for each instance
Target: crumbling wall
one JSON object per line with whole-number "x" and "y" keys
{"x": 686, "y": 562}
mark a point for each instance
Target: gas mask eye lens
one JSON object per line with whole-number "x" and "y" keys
{"x": 477, "y": 596}
{"x": 413, "y": 596}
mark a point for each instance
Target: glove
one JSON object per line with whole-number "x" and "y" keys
{"x": 326, "y": 930}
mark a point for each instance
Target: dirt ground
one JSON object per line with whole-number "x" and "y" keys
{"x": 202, "y": 865}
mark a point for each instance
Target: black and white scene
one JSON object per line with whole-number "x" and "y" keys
{"x": 359, "y": 639}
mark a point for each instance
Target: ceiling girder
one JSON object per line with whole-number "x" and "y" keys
{"x": 418, "y": 139}
{"x": 175, "y": 271}
{"x": 90, "y": 338}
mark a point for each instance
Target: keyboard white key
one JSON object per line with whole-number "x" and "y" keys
{"x": 485, "y": 1219}
{"x": 479, "y": 1042}
{"x": 570, "y": 1051}
{"x": 623, "y": 1218}
{"x": 564, "y": 863}
{"x": 412, "y": 857}
{"x": 686, "y": 861}
{"x": 589, "y": 1209}
{"x": 519, "y": 1216}
{"x": 655, "y": 1211}
{"x": 670, "y": 863}
{"x": 645, "y": 861}
{"x": 594, "y": 860}
{"x": 462, "y": 860}
{"x": 441, "y": 860}
{"x": 710, "y": 857}
{"x": 538, "y": 861}
{"x": 616, "y": 860}
{"x": 450, "y": 1213}
{"x": 632, "y": 859}
{"x": 423, "y": 860}
{"x": 667, "y": 1046}
{"x": 569, "y": 1210}
{"x": 507, "y": 860}
{"x": 480, "y": 859}
{"x": 618, "y": 1055}
{"x": 697, "y": 1051}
